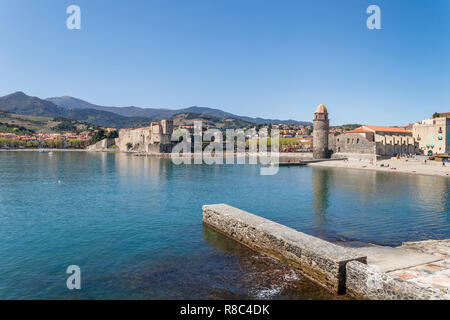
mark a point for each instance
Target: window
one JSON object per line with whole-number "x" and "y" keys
{"x": 357, "y": 140}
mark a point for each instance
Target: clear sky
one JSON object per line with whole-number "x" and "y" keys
{"x": 273, "y": 59}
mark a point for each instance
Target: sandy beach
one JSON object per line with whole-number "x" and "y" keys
{"x": 410, "y": 166}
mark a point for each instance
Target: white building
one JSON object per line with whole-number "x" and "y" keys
{"x": 433, "y": 135}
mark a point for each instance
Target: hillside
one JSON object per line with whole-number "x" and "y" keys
{"x": 158, "y": 114}
{"x": 151, "y": 113}
{"x": 122, "y": 117}
{"x": 187, "y": 119}
{"x": 20, "y": 103}
{"x": 23, "y": 124}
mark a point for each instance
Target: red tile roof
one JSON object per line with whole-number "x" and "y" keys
{"x": 368, "y": 129}
{"x": 387, "y": 129}
{"x": 359, "y": 130}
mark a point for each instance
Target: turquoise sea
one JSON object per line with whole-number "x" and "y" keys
{"x": 134, "y": 224}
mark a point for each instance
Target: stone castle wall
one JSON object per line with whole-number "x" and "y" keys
{"x": 153, "y": 139}
{"x": 353, "y": 143}
{"x": 139, "y": 138}
{"x": 382, "y": 145}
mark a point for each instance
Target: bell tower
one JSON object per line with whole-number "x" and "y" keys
{"x": 320, "y": 133}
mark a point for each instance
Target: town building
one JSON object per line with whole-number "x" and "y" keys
{"x": 375, "y": 140}
{"x": 433, "y": 135}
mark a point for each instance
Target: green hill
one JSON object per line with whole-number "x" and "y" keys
{"x": 22, "y": 104}
{"x": 23, "y": 124}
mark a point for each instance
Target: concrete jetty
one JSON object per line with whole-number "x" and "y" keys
{"x": 414, "y": 271}
{"x": 319, "y": 260}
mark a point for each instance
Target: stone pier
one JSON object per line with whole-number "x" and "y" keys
{"x": 319, "y": 260}
{"x": 414, "y": 271}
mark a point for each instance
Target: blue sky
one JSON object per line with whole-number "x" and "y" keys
{"x": 274, "y": 59}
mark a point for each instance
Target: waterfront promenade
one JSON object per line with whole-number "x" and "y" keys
{"x": 411, "y": 166}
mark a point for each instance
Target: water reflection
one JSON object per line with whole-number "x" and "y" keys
{"x": 379, "y": 207}
{"x": 321, "y": 182}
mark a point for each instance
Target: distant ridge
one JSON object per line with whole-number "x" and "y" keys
{"x": 20, "y": 103}
{"x": 158, "y": 114}
{"x": 123, "y": 117}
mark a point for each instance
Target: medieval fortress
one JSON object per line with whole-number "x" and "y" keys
{"x": 153, "y": 139}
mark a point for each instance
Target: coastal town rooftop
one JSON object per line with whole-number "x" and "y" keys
{"x": 373, "y": 129}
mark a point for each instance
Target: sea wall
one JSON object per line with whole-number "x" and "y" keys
{"x": 319, "y": 260}
{"x": 364, "y": 281}
{"x": 102, "y": 145}
{"x": 134, "y": 139}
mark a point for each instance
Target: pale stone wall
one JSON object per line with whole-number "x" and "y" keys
{"x": 318, "y": 259}
{"x": 354, "y": 143}
{"x": 102, "y": 145}
{"x": 391, "y": 144}
{"x": 139, "y": 138}
{"x": 376, "y": 144}
{"x": 363, "y": 281}
{"x": 153, "y": 139}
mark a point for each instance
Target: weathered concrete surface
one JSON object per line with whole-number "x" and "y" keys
{"x": 435, "y": 275}
{"x": 367, "y": 282}
{"x": 319, "y": 260}
{"x": 416, "y": 270}
{"x": 388, "y": 259}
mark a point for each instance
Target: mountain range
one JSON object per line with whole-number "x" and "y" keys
{"x": 158, "y": 113}
{"x": 118, "y": 117}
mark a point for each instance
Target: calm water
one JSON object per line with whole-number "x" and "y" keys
{"x": 134, "y": 224}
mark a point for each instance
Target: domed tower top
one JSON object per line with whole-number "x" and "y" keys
{"x": 321, "y": 113}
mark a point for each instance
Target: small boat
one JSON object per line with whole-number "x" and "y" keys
{"x": 42, "y": 151}
{"x": 50, "y": 153}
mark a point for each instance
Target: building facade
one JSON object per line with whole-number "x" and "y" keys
{"x": 433, "y": 135}
{"x": 153, "y": 139}
{"x": 321, "y": 130}
{"x": 375, "y": 140}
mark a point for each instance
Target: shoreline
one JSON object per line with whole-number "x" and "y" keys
{"x": 410, "y": 166}
{"x": 43, "y": 149}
